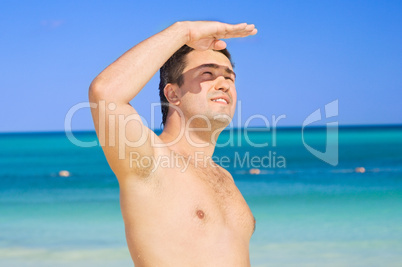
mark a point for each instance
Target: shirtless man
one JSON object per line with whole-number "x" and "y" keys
{"x": 175, "y": 216}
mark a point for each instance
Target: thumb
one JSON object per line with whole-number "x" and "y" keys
{"x": 218, "y": 45}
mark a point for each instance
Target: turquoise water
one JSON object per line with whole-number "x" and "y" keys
{"x": 308, "y": 212}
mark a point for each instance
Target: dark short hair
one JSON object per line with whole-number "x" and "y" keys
{"x": 172, "y": 72}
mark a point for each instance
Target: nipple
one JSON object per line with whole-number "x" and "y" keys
{"x": 200, "y": 214}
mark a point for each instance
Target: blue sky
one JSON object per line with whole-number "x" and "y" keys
{"x": 305, "y": 55}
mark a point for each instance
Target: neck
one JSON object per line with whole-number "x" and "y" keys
{"x": 190, "y": 140}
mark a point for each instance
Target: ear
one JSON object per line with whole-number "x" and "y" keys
{"x": 171, "y": 94}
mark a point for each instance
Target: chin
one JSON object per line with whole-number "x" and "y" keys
{"x": 223, "y": 119}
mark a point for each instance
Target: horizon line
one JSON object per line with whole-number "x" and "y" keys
{"x": 255, "y": 128}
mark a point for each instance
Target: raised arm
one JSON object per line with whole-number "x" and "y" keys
{"x": 117, "y": 124}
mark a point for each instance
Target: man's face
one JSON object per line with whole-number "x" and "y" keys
{"x": 208, "y": 88}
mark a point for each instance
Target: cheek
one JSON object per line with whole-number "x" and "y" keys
{"x": 194, "y": 102}
{"x": 233, "y": 110}
{"x": 234, "y": 97}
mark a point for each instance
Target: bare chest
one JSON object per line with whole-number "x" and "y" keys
{"x": 210, "y": 197}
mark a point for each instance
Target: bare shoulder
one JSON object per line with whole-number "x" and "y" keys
{"x": 224, "y": 171}
{"x": 143, "y": 163}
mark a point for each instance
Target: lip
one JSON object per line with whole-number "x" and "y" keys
{"x": 225, "y": 97}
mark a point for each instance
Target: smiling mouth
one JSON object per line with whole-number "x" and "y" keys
{"x": 220, "y": 100}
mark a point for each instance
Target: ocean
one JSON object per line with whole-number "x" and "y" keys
{"x": 323, "y": 198}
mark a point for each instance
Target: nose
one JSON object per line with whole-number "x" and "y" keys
{"x": 222, "y": 84}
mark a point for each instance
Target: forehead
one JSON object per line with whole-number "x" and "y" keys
{"x": 197, "y": 58}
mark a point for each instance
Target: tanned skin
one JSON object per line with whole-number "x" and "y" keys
{"x": 179, "y": 207}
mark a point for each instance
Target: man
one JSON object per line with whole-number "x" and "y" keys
{"x": 178, "y": 206}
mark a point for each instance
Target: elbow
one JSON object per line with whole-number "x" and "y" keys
{"x": 96, "y": 90}
{"x": 102, "y": 89}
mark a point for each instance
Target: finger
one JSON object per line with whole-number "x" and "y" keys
{"x": 239, "y": 30}
{"x": 242, "y": 27}
{"x": 239, "y": 26}
{"x": 254, "y": 32}
{"x": 218, "y": 45}
{"x": 251, "y": 31}
{"x": 237, "y": 35}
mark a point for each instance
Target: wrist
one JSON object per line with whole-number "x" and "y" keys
{"x": 182, "y": 31}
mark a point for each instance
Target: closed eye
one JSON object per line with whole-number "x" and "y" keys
{"x": 207, "y": 72}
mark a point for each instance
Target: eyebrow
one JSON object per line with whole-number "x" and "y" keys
{"x": 216, "y": 66}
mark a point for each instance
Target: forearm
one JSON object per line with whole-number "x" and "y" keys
{"x": 121, "y": 81}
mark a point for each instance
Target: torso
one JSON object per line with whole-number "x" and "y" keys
{"x": 191, "y": 217}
